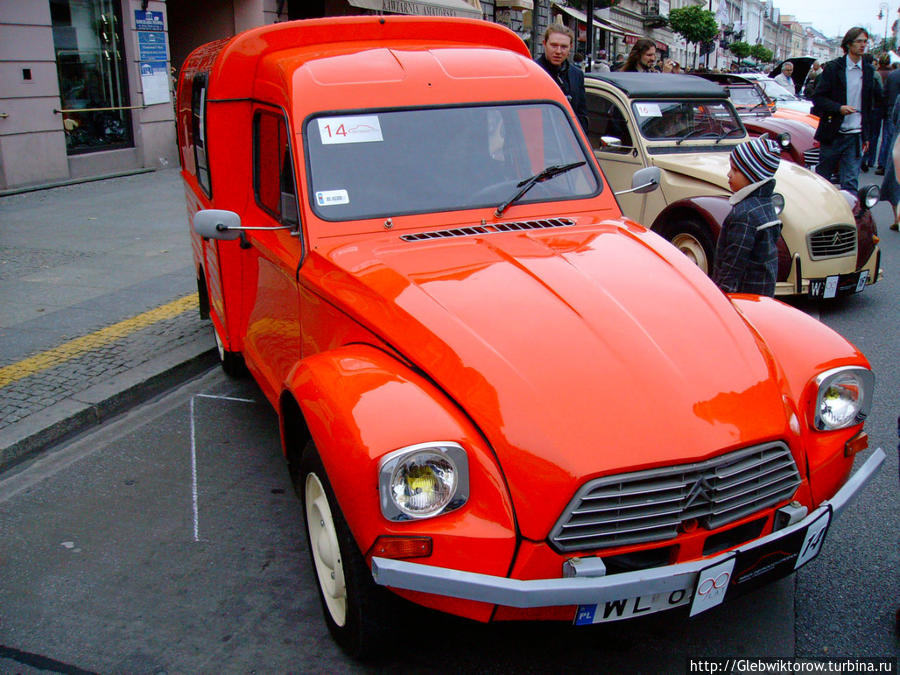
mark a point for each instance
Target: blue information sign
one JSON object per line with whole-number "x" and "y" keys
{"x": 152, "y": 46}
{"x": 145, "y": 20}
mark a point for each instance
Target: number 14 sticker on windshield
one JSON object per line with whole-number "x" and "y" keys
{"x": 352, "y": 129}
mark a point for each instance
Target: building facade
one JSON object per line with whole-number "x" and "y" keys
{"x": 87, "y": 85}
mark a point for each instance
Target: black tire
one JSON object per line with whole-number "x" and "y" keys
{"x": 232, "y": 362}
{"x": 359, "y": 613}
{"x": 693, "y": 239}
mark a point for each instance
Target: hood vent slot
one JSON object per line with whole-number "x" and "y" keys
{"x": 490, "y": 229}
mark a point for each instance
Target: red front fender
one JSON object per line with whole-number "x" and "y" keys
{"x": 359, "y": 404}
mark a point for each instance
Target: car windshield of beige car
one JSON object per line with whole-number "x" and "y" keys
{"x": 681, "y": 121}
{"x": 388, "y": 163}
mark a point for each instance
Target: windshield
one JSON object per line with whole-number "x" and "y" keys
{"x": 682, "y": 120}
{"x": 746, "y": 97}
{"x": 382, "y": 164}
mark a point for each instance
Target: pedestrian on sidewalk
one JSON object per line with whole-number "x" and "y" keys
{"x": 879, "y": 114}
{"x": 557, "y": 43}
{"x": 890, "y": 189}
{"x": 891, "y": 92}
{"x": 846, "y": 93}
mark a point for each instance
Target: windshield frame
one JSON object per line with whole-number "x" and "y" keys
{"x": 686, "y": 139}
{"x": 308, "y": 126}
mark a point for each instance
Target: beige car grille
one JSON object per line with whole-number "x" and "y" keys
{"x": 832, "y": 242}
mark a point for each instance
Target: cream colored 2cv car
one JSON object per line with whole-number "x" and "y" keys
{"x": 686, "y": 127}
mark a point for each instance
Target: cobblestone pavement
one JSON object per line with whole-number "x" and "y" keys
{"x": 99, "y": 304}
{"x": 31, "y": 394}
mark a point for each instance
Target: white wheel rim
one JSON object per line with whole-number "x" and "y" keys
{"x": 219, "y": 345}
{"x": 693, "y": 249}
{"x": 325, "y": 550}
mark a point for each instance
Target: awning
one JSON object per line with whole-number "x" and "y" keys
{"x": 515, "y": 4}
{"x": 610, "y": 25}
{"x": 574, "y": 13}
{"x": 458, "y": 8}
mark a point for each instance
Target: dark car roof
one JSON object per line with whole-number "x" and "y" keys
{"x": 661, "y": 85}
{"x": 727, "y": 78}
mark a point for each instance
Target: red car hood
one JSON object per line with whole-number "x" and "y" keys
{"x": 578, "y": 351}
{"x": 801, "y": 134}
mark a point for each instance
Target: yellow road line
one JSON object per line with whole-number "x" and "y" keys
{"x": 78, "y": 346}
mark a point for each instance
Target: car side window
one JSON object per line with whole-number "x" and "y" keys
{"x": 198, "y": 131}
{"x": 273, "y": 168}
{"x": 606, "y": 122}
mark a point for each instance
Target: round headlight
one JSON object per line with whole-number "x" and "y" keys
{"x": 778, "y": 202}
{"x": 422, "y": 481}
{"x": 869, "y": 195}
{"x": 784, "y": 140}
{"x": 844, "y": 397}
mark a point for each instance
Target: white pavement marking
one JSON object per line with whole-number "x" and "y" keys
{"x": 195, "y": 502}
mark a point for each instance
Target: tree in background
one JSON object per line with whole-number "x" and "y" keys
{"x": 694, "y": 24}
{"x": 761, "y": 54}
{"x": 740, "y": 50}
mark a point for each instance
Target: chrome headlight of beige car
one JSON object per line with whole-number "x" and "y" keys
{"x": 844, "y": 397}
{"x": 423, "y": 480}
{"x": 869, "y": 195}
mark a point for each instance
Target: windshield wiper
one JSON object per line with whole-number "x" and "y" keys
{"x": 692, "y": 132}
{"x": 726, "y": 134}
{"x": 529, "y": 183}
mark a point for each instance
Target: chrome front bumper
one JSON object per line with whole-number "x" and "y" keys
{"x": 581, "y": 590}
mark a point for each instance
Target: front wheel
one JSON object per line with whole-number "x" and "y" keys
{"x": 358, "y": 611}
{"x": 232, "y": 362}
{"x": 693, "y": 239}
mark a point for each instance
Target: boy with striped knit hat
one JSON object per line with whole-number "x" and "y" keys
{"x": 746, "y": 259}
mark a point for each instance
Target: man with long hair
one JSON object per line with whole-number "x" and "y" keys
{"x": 557, "y": 43}
{"x": 642, "y": 58}
{"x": 846, "y": 93}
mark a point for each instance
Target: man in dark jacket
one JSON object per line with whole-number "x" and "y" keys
{"x": 846, "y": 93}
{"x": 557, "y": 45}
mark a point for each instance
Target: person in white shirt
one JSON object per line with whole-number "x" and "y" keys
{"x": 784, "y": 77}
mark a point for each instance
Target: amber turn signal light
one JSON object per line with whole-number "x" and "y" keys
{"x": 401, "y": 547}
{"x": 856, "y": 444}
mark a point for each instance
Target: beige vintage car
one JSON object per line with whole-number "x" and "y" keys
{"x": 687, "y": 127}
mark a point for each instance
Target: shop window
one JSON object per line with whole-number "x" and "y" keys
{"x": 90, "y": 63}
{"x": 273, "y": 173}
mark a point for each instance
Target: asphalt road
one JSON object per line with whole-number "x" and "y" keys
{"x": 170, "y": 541}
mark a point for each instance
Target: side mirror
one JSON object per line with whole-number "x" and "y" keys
{"x": 644, "y": 180}
{"x": 614, "y": 141}
{"x": 217, "y": 224}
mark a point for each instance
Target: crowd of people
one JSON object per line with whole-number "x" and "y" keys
{"x": 856, "y": 105}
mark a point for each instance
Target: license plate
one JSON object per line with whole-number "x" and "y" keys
{"x": 747, "y": 568}
{"x": 626, "y": 608}
{"x": 838, "y": 284}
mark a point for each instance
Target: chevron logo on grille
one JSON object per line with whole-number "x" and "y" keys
{"x": 700, "y": 490}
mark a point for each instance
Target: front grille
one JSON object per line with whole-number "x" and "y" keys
{"x": 490, "y": 229}
{"x": 811, "y": 157}
{"x": 830, "y": 242}
{"x": 647, "y": 506}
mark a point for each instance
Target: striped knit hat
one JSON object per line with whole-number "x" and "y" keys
{"x": 758, "y": 158}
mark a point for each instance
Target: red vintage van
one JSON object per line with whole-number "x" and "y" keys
{"x": 497, "y": 397}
